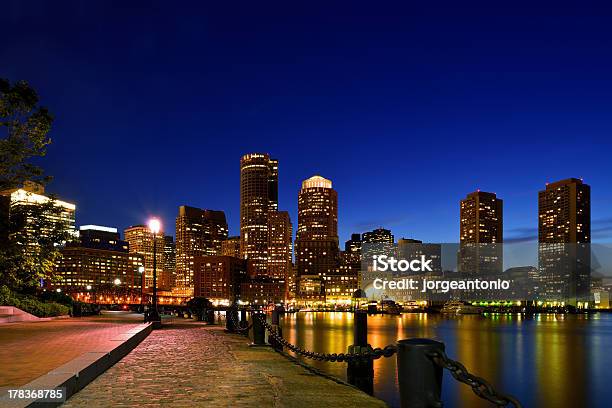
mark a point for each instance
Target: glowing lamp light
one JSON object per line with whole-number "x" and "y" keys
{"x": 154, "y": 225}
{"x": 88, "y": 287}
{"x": 58, "y": 290}
{"x": 117, "y": 281}
{"x": 141, "y": 269}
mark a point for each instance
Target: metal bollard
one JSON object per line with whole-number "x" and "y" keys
{"x": 210, "y": 316}
{"x": 360, "y": 373}
{"x": 231, "y": 317}
{"x": 259, "y": 331}
{"x": 275, "y": 316}
{"x": 360, "y": 328}
{"x": 419, "y": 379}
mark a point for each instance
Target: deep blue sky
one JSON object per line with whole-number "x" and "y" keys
{"x": 405, "y": 108}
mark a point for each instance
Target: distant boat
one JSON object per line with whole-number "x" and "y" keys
{"x": 458, "y": 307}
{"x": 390, "y": 307}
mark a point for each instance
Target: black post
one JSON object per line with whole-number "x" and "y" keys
{"x": 276, "y": 324}
{"x": 210, "y": 316}
{"x": 360, "y": 372}
{"x": 360, "y": 328}
{"x": 419, "y": 379}
{"x": 259, "y": 331}
{"x": 230, "y": 318}
{"x": 244, "y": 322}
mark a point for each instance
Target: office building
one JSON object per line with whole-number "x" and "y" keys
{"x": 198, "y": 233}
{"x": 564, "y": 235}
{"x": 99, "y": 263}
{"x": 231, "y": 247}
{"x": 258, "y": 196}
{"x": 218, "y": 278}
{"x": 279, "y": 245}
{"x": 141, "y": 241}
{"x": 481, "y": 234}
{"x": 316, "y": 244}
{"x": 27, "y": 203}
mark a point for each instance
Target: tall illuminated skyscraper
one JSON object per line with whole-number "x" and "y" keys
{"x": 258, "y": 196}
{"x": 564, "y": 235}
{"x": 316, "y": 244}
{"x": 140, "y": 240}
{"x": 198, "y": 233}
{"x": 564, "y": 212}
{"x": 279, "y": 244}
{"x": 481, "y": 233}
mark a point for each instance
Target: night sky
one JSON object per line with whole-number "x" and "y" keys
{"x": 406, "y": 109}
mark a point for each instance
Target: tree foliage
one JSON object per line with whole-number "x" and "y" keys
{"x": 34, "y": 232}
{"x": 24, "y": 128}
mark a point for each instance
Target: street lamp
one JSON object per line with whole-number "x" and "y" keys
{"x": 155, "y": 227}
{"x": 141, "y": 270}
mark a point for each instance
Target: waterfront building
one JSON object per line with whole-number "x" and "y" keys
{"x": 99, "y": 262}
{"x": 564, "y": 235}
{"x": 481, "y": 233}
{"x": 316, "y": 244}
{"x": 218, "y": 278}
{"x": 198, "y": 233}
{"x": 261, "y": 290}
{"x": 141, "y": 241}
{"x": 258, "y": 196}
{"x": 231, "y": 247}
{"x": 340, "y": 285}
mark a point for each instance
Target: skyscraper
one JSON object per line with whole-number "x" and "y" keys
{"x": 279, "y": 244}
{"x": 564, "y": 212}
{"x": 140, "y": 240}
{"x": 481, "y": 218}
{"x": 316, "y": 244}
{"x": 481, "y": 233}
{"x": 564, "y": 235}
{"x": 198, "y": 233}
{"x": 258, "y": 196}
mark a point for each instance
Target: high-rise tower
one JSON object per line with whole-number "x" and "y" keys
{"x": 258, "y": 196}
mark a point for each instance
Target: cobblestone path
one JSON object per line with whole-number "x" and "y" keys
{"x": 192, "y": 365}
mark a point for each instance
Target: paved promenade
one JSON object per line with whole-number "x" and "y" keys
{"x": 189, "y": 364}
{"x": 29, "y": 350}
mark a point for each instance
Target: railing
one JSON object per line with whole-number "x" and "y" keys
{"x": 417, "y": 358}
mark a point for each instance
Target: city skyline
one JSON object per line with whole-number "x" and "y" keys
{"x": 459, "y": 110}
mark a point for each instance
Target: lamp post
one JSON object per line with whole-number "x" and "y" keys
{"x": 141, "y": 270}
{"x": 155, "y": 226}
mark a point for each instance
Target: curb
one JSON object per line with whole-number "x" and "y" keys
{"x": 77, "y": 373}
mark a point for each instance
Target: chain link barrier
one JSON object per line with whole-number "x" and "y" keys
{"x": 374, "y": 354}
{"x": 480, "y": 386}
{"x": 236, "y": 325}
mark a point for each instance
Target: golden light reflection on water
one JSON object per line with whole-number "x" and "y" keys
{"x": 545, "y": 360}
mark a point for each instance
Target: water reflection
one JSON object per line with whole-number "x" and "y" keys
{"x": 546, "y": 360}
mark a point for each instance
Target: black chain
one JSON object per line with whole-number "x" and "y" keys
{"x": 369, "y": 353}
{"x": 479, "y": 385}
{"x": 236, "y": 325}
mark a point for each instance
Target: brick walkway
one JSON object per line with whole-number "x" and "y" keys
{"x": 29, "y": 350}
{"x": 189, "y": 364}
